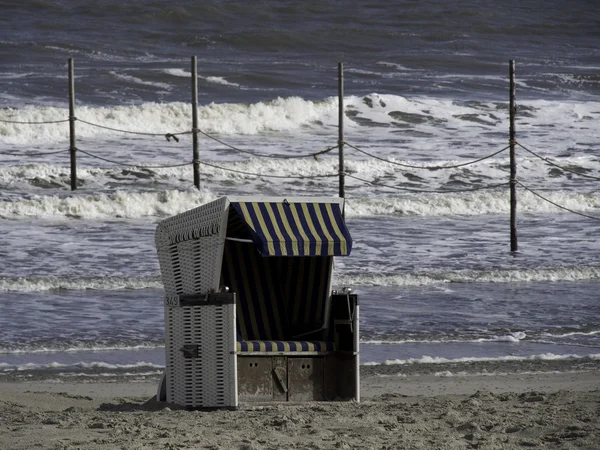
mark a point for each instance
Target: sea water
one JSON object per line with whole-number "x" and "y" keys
{"x": 426, "y": 86}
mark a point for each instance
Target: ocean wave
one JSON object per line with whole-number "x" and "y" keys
{"x": 136, "y": 80}
{"x": 121, "y": 204}
{"x": 508, "y": 358}
{"x": 571, "y": 273}
{"x": 279, "y": 114}
{"x": 364, "y": 202}
{"x": 75, "y": 347}
{"x": 573, "y": 333}
{"x": 516, "y": 336}
{"x": 428, "y": 116}
{"x": 98, "y": 366}
{"x": 40, "y": 284}
{"x": 5, "y": 367}
{"x": 567, "y": 273}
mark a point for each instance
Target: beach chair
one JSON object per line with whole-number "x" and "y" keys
{"x": 249, "y": 311}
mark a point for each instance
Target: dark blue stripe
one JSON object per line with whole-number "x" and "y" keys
{"x": 290, "y": 218}
{"x": 315, "y": 296}
{"x": 337, "y": 212}
{"x": 278, "y": 322}
{"x": 262, "y": 245}
{"x": 307, "y": 229}
{"x": 315, "y": 220}
{"x": 229, "y": 277}
{"x": 251, "y": 267}
{"x": 280, "y": 221}
{"x": 269, "y": 228}
{"x": 337, "y": 249}
{"x": 303, "y": 281}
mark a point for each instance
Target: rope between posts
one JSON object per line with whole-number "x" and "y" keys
{"x": 410, "y": 166}
{"x": 166, "y": 135}
{"x": 258, "y": 155}
{"x": 166, "y": 166}
{"x": 268, "y": 176}
{"x": 556, "y": 165}
{"x": 556, "y": 204}
{"x": 34, "y": 123}
{"x": 444, "y": 191}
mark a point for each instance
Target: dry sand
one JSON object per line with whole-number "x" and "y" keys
{"x": 554, "y": 405}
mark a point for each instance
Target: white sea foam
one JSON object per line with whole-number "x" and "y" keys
{"x": 516, "y": 336}
{"x": 508, "y": 358}
{"x": 573, "y": 333}
{"x": 81, "y": 347}
{"x": 220, "y": 80}
{"x": 137, "y": 80}
{"x": 570, "y": 273}
{"x": 441, "y": 119}
{"x": 364, "y": 203}
{"x": 276, "y": 115}
{"x": 41, "y": 284}
{"x": 178, "y": 73}
{"x": 79, "y": 365}
{"x": 574, "y": 273}
{"x": 110, "y": 374}
{"x": 105, "y": 206}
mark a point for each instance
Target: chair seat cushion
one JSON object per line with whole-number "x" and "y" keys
{"x": 285, "y": 346}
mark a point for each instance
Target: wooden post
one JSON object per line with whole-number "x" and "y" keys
{"x": 342, "y": 178}
{"x": 72, "y": 147}
{"x": 513, "y": 164}
{"x": 196, "y": 157}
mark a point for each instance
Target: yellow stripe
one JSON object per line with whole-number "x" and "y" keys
{"x": 282, "y": 240}
{"x": 324, "y": 228}
{"x": 288, "y": 229}
{"x": 286, "y": 346}
{"x": 300, "y": 228}
{"x": 238, "y": 346}
{"x": 262, "y": 346}
{"x": 247, "y": 216}
{"x": 263, "y": 226}
{"x": 336, "y": 228}
{"x": 311, "y": 227}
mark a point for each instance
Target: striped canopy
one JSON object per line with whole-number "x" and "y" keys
{"x": 296, "y": 229}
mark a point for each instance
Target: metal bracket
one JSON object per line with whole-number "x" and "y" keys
{"x": 190, "y": 351}
{"x": 212, "y": 298}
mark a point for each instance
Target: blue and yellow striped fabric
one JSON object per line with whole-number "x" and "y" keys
{"x": 296, "y": 229}
{"x": 276, "y": 298}
{"x": 260, "y": 309}
{"x": 284, "y": 346}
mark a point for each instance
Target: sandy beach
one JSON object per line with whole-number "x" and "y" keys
{"x": 509, "y": 405}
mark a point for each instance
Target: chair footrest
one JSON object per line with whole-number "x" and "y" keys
{"x": 284, "y": 346}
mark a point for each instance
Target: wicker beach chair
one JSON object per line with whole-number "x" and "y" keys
{"x": 249, "y": 311}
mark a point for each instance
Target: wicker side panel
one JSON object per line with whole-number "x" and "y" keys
{"x": 207, "y": 380}
{"x": 174, "y": 236}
